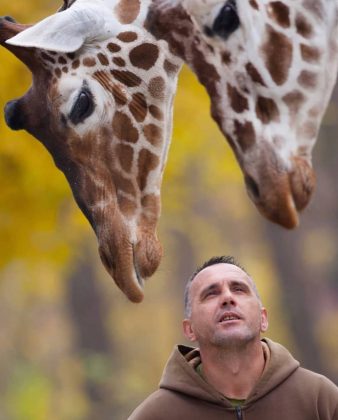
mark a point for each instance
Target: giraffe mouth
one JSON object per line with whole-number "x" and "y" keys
{"x": 137, "y": 270}
{"x": 130, "y": 264}
{"x": 125, "y": 272}
{"x": 280, "y": 195}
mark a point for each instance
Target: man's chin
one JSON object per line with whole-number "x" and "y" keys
{"x": 232, "y": 339}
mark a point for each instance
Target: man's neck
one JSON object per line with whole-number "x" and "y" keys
{"x": 233, "y": 372}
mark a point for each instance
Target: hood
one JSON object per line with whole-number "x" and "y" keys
{"x": 180, "y": 375}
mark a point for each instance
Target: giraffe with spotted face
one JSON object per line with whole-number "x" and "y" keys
{"x": 269, "y": 68}
{"x": 106, "y": 119}
{"x": 108, "y": 70}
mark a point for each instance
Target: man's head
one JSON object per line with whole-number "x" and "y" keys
{"x": 222, "y": 305}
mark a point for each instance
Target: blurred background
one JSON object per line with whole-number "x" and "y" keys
{"x": 71, "y": 345}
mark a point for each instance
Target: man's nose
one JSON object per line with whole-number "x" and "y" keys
{"x": 227, "y": 298}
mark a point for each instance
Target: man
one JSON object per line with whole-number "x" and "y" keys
{"x": 234, "y": 374}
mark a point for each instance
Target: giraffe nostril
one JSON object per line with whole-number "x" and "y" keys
{"x": 252, "y": 187}
{"x": 14, "y": 116}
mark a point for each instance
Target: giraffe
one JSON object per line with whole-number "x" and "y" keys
{"x": 109, "y": 72}
{"x": 106, "y": 120}
{"x": 269, "y": 68}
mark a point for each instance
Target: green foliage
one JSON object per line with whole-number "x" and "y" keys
{"x": 28, "y": 393}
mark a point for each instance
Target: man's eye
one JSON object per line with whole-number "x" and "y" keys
{"x": 83, "y": 107}
{"x": 239, "y": 289}
{"x": 211, "y": 293}
{"x": 227, "y": 20}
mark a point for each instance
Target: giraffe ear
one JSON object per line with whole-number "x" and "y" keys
{"x": 68, "y": 30}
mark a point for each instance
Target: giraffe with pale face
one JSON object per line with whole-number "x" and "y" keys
{"x": 104, "y": 77}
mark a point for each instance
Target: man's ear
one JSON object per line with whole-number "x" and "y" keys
{"x": 188, "y": 330}
{"x": 264, "y": 320}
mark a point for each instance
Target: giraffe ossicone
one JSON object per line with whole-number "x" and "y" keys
{"x": 104, "y": 77}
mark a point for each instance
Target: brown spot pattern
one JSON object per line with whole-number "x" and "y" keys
{"x": 253, "y": 73}
{"x": 266, "y": 110}
{"x": 138, "y": 107}
{"x": 89, "y": 62}
{"x": 65, "y": 69}
{"x": 127, "y": 207}
{"x": 153, "y": 134}
{"x": 170, "y": 68}
{"x": 280, "y": 13}
{"x": 151, "y": 203}
{"x": 277, "y": 52}
{"x": 147, "y": 161}
{"x": 103, "y": 59}
{"x": 304, "y": 28}
{"x": 310, "y": 54}
{"x": 124, "y": 184}
{"x": 126, "y": 77}
{"x": 123, "y": 128}
{"x": 156, "y": 87}
{"x": 253, "y": 4}
{"x": 119, "y": 96}
{"x": 144, "y": 56}
{"x": 58, "y": 72}
{"x": 113, "y": 47}
{"x": 125, "y": 155}
{"x": 206, "y": 72}
{"x": 294, "y": 101}
{"x": 47, "y": 57}
{"x": 104, "y": 79}
{"x": 308, "y": 79}
{"x": 119, "y": 61}
{"x": 156, "y": 112}
{"x": 75, "y": 64}
{"x": 245, "y": 134}
{"x": 309, "y": 130}
{"x": 127, "y": 10}
{"x": 62, "y": 60}
{"x": 238, "y": 102}
{"x": 127, "y": 36}
{"x": 226, "y": 57}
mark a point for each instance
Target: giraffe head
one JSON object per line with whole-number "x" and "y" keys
{"x": 269, "y": 68}
{"x": 101, "y": 103}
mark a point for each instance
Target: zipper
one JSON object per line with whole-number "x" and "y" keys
{"x": 239, "y": 413}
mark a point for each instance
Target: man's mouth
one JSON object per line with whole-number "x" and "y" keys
{"x": 229, "y": 317}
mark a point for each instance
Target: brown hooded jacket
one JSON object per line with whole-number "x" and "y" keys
{"x": 285, "y": 391}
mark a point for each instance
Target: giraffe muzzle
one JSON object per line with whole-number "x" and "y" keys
{"x": 128, "y": 263}
{"x": 280, "y": 193}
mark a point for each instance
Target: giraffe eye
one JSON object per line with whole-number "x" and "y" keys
{"x": 83, "y": 107}
{"x": 227, "y": 20}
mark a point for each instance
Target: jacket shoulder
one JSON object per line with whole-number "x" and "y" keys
{"x": 320, "y": 389}
{"x": 160, "y": 405}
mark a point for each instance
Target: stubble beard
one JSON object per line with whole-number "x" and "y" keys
{"x": 234, "y": 340}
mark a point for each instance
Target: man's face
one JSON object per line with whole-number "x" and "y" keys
{"x": 225, "y": 310}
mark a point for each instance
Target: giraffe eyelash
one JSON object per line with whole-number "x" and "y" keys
{"x": 83, "y": 106}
